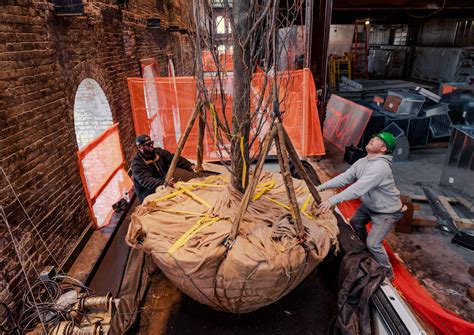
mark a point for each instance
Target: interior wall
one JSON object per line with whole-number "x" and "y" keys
{"x": 43, "y": 59}
{"x": 438, "y": 33}
{"x": 435, "y": 33}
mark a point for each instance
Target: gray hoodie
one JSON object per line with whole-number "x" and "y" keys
{"x": 373, "y": 183}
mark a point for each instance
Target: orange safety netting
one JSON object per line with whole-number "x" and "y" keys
{"x": 441, "y": 320}
{"x": 161, "y": 107}
{"x": 101, "y": 164}
{"x": 225, "y": 61}
{"x": 149, "y": 68}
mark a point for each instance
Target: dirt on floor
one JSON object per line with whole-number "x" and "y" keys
{"x": 438, "y": 265}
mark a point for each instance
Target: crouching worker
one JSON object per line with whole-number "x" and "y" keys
{"x": 150, "y": 165}
{"x": 373, "y": 183}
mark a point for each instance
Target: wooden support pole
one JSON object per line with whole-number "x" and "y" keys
{"x": 251, "y": 188}
{"x": 299, "y": 166}
{"x": 201, "y": 132}
{"x": 182, "y": 142}
{"x": 288, "y": 181}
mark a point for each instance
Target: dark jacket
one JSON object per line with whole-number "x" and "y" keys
{"x": 149, "y": 173}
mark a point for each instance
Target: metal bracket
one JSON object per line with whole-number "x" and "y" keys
{"x": 229, "y": 243}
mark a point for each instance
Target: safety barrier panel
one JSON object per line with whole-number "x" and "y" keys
{"x": 225, "y": 61}
{"x": 345, "y": 122}
{"x": 161, "y": 107}
{"x": 101, "y": 164}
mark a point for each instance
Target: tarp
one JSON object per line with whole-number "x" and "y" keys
{"x": 162, "y": 106}
{"x": 441, "y": 320}
{"x": 183, "y": 229}
{"x": 101, "y": 164}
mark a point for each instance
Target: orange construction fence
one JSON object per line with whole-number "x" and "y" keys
{"x": 161, "y": 107}
{"x": 225, "y": 60}
{"x": 101, "y": 164}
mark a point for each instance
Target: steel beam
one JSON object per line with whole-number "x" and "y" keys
{"x": 317, "y": 22}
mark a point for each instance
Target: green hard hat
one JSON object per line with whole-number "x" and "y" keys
{"x": 388, "y": 139}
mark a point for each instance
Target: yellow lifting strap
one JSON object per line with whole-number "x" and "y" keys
{"x": 244, "y": 168}
{"x": 277, "y": 202}
{"x": 177, "y": 211}
{"x": 194, "y": 196}
{"x": 302, "y": 209}
{"x": 202, "y": 184}
{"x": 200, "y": 225}
{"x": 263, "y": 188}
{"x": 176, "y": 193}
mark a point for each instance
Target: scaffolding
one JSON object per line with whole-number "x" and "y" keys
{"x": 339, "y": 66}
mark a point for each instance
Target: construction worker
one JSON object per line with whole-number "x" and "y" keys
{"x": 150, "y": 165}
{"x": 373, "y": 183}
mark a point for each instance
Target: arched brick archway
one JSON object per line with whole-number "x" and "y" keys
{"x": 92, "y": 113}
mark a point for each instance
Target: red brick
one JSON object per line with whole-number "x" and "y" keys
{"x": 43, "y": 58}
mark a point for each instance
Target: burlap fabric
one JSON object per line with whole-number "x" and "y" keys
{"x": 185, "y": 238}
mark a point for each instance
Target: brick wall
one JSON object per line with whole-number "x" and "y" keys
{"x": 43, "y": 59}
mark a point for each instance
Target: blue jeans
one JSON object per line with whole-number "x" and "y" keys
{"x": 382, "y": 224}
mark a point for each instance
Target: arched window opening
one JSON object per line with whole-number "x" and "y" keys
{"x": 101, "y": 161}
{"x": 92, "y": 115}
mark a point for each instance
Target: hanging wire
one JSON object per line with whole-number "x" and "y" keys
{"x": 41, "y": 287}
{"x": 29, "y": 218}
{"x": 23, "y": 267}
{"x": 429, "y": 15}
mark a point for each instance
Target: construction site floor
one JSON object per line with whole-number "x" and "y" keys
{"x": 427, "y": 252}
{"x": 439, "y": 265}
{"x": 309, "y": 309}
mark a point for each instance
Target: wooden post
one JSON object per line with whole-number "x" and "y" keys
{"x": 251, "y": 188}
{"x": 288, "y": 181}
{"x": 182, "y": 142}
{"x": 201, "y": 132}
{"x": 299, "y": 166}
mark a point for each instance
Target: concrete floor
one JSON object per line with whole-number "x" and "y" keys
{"x": 442, "y": 267}
{"x": 309, "y": 309}
{"x": 439, "y": 265}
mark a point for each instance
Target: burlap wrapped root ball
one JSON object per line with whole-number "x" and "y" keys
{"x": 183, "y": 228}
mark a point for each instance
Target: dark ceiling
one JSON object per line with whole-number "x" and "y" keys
{"x": 400, "y": 11}
{"x": 391, "y": 11}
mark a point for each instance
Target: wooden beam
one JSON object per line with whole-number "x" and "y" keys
{"x": 424, "y": 221}
{"x": 422, "y": 198}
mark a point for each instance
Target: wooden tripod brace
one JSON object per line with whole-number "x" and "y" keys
{"x": 284, "y": 148}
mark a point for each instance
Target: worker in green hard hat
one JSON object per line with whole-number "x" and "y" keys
{"x": 372, "y": 182}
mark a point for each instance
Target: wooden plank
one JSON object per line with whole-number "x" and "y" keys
{"x": 466, "y": 203}
{"x": 424, "y": 221}
{"x": 416, "y": 197}
{"x": 416, "y": 207}
{"x": 445, "y": 202}
{"x": 465, "y": 224}
{"x": 422, "y": 198}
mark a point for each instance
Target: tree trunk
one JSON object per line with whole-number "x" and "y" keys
{"x": 241, "y": 98}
